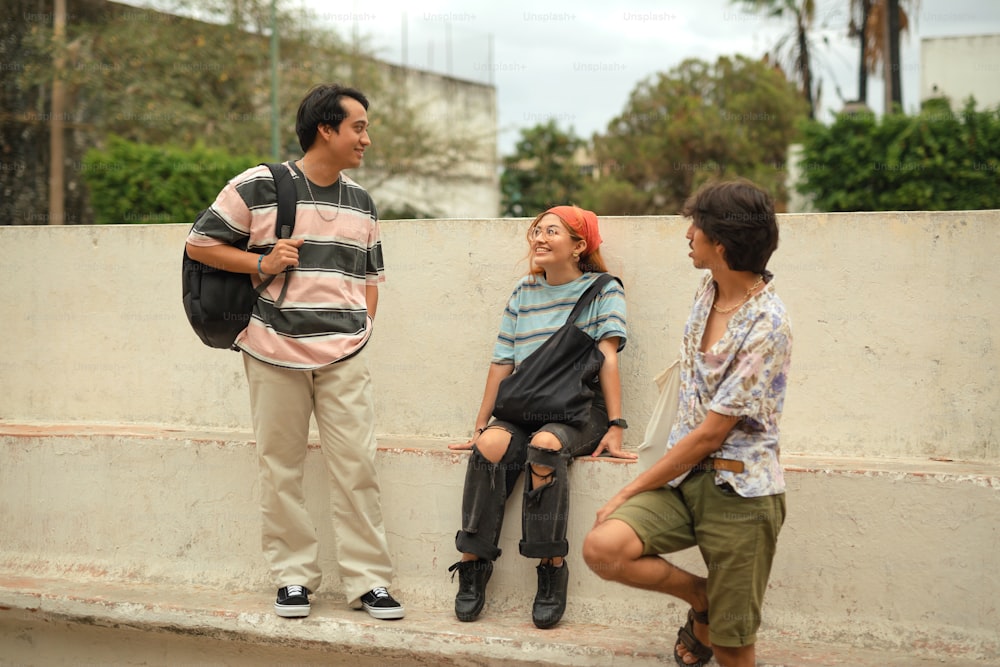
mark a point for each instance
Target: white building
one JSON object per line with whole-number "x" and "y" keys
{"x": 957, "y": 67}
{"x": 459, "y": 175}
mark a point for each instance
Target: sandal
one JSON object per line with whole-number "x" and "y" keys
{"x": 685, "y": 636}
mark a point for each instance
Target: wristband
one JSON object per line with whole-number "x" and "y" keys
{"x": 259, "y": 260}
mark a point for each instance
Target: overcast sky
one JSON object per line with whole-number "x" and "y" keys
{"x": 578, "y": 61}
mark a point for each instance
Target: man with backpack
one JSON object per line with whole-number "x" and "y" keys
{"x": 304, "y": 347}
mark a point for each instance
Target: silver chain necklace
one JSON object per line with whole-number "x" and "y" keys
{"x": 340, "y": 194}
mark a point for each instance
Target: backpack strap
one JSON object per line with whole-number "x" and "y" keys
{"x": 590, "y": 294}
{"x": 286, "y": 202}
{"x": 287, "y": 199}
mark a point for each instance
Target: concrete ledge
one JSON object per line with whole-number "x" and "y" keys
{"x": 138, "y": 623}
{"x": 431, "y": 637}
{"x": 150, "y": 511}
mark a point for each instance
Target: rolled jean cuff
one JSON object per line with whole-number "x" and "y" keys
{"x": 470, "y": 543}
{"x": 556, "y": 549}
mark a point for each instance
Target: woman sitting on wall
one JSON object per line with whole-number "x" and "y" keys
{"x": 565, "y": 261}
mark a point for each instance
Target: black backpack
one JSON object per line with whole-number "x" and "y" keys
{"x": 218, "y": 303}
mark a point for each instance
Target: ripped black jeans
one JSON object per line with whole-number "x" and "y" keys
{"x": 545, "y": 511}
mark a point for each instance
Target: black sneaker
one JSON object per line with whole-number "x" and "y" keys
{"x": 550, "y": 602}
{"x": 473, "y": 576}
{"x": 292, "y": 602}
{"x": 381, "y": 605}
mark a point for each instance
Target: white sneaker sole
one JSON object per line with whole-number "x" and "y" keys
{"x": 292, "y": 610}
{"x": 385, "y": 613}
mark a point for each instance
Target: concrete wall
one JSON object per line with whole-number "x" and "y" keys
{"x": 896, "y": 321}
{"x": 896, "y": 334}
{"x": 891, "y": 556}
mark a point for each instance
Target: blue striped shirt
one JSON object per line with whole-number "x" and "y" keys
{"x": 536, "y": 310}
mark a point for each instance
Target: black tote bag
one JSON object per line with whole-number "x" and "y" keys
{"x": 555, "y": 384}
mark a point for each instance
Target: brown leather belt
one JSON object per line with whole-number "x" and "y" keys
{"x": 713, "y": 463}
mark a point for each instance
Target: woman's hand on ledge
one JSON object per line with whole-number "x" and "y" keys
{"x": 470, "y": 442}
{"x": 612, "y": 444}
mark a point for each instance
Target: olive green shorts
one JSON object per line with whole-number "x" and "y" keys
{"x": 737, "y": 538}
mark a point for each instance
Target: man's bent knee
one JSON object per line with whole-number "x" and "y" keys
{"x": 605, "y": 548}
{"x": 611, "y": 545}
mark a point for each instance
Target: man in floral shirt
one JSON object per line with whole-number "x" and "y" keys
{"x": 720, "y": 485}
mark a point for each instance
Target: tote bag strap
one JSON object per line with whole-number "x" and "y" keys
{"x": 590, "y": 294}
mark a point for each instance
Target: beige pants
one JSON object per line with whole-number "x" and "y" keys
{"x": 281, "y": 401}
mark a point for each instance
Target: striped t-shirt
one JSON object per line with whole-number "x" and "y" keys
{"x": 324, "y": 316}
{"x": 536, "y": 310}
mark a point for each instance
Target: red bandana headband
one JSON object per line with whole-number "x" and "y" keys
{"x": 581, "y": 221}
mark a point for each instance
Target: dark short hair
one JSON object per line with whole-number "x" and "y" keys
{"x": 322, "y": 106}
{"x": 739, "y": 215}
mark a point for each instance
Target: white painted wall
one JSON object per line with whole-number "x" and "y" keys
{"x": 896, "y": 321}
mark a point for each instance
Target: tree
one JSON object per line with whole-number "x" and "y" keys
{"x": 157, "y": 78}
{"x": 795, "y": 48}
{"x": 933, "y": 161}
{"x": 154, "y": 77}
{"x": 542, "y": 172}
{"x": 858, "y": 28}
{"x": 697, "y": 122}
{"x": 871, "y": 25}
{"x": 139, "y": 183}
{"x": 24, "y": 125}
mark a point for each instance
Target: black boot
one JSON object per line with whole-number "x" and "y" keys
{"x": 550, "y": 602}
{"x": 472, "y": 578}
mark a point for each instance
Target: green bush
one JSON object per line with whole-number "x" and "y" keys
{"x": 934, "y": 161}
{"x": 141, "y": 184}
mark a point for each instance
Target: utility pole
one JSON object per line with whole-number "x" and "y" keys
{"x": 404, "y": 46}
{"x": 447, "y": 47}
{"x": 489, "y": 58}
{"x": 57, "y": 184}
{"x": 275, "y": 109}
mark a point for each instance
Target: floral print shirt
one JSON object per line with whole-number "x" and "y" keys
{"x": 743, "y": 375}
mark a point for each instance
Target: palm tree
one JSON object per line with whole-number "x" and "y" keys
{"x": 858, "y": 28}
{"x": 877, "y": 25}
{"x": 794, "y": 48}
